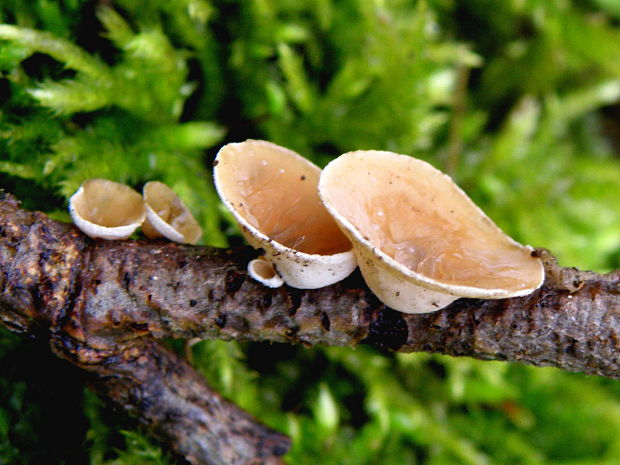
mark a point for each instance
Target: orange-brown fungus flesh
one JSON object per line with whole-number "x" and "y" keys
{"x": 412, "y": 213}
{"x": 275, "y": 190}
{"x": 108, "y": 203}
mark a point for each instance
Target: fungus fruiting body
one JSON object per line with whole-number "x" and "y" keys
{"x": 262, "y": 271}
{"x": 167, "y": 215}
{"x": 420, "y": 241}
{"x": 272, "y": 193}
{"x": 106, "y": 209}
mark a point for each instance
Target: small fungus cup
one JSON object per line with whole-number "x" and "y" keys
{"x": 167, "y": 215}
{"x": 272, "y": 193}
{"x": 420, "y": 241}
{"x": 106, "y": 209}
{"x": 262, "y": 271}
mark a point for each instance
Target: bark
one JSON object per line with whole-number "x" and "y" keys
{"x": 103, "y": 302}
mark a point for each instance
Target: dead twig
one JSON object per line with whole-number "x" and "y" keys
{"x": 104, "y": 303}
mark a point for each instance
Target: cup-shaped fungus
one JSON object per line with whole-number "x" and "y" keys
{"x": 420, "y": 241}
{"x": 106, "y": 209}
{"x": 262, "y": 271}
{"x": 272, "y": 193}
{"x": 167, "y": 215}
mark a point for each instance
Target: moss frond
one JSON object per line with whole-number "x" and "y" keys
{"x": 60, "y": 49}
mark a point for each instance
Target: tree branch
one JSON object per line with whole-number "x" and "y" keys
{"x": 168, "y": 396}
{"x": 99, "y": 300}
{"x": 46, "y": 269}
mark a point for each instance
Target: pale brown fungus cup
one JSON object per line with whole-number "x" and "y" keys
{"x": 272, "y": 193}
{"x": 420, "y": 241}
{"x": 106, "y": 209}
{"x": 167, "y": 215}
{"x": 263, "y": 271}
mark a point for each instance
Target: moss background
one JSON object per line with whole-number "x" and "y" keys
{"x": 517, "y": 99}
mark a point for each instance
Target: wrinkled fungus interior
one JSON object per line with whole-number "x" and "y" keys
{"x": 275, "y": 190}
{"x": 416, "y": 215}
{"x": 109, "y": 204}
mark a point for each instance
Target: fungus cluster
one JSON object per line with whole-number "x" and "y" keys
{"x": 109, "y": 210}
{"x": 419, "y": 240}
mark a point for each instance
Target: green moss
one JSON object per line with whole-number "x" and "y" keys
{"x": 516, "y": 99}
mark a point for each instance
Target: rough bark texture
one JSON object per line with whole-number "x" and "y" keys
{"x": 102, "y": 303}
